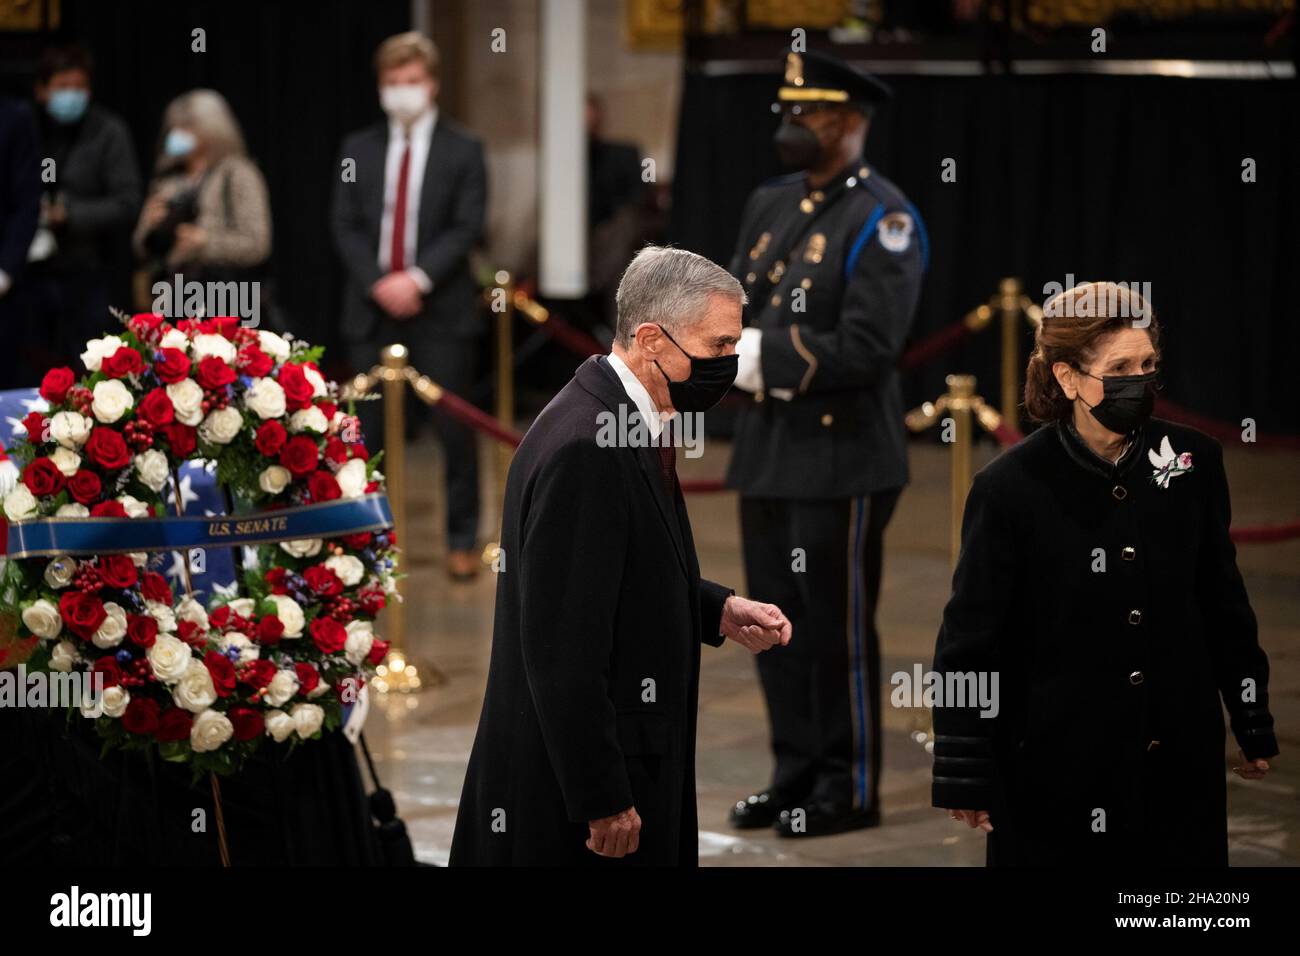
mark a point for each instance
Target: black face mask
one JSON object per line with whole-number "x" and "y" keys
{"x": 797, "y": 146}
{"x": 709, "y": 380}
{"x": 1126, "y": 401}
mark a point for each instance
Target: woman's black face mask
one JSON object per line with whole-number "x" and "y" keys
{"x": 1127, "y": 401}
{"x": 709, "y": 380}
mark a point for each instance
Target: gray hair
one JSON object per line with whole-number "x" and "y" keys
{"x": 208, "y": 115}
{"x": 671, "y": 288}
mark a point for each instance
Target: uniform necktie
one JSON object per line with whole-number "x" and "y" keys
{"x": 398, "y": 261}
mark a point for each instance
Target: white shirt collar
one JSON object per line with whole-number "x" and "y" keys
{"x": 637, "y": 392}
{"x": 422, "y": 128}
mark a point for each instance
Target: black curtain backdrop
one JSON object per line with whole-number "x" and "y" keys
{"x": 1132, "y": 179}
{"x": 298, "y": 77}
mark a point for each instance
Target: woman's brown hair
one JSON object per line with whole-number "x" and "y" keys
{"x": 1073, "y": 321}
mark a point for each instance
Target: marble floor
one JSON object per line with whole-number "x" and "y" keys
{"x": 421, "y": 742}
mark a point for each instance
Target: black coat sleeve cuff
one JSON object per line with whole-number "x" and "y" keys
{"x": 712, "y": 598}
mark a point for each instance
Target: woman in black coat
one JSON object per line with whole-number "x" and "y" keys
{"x": 1098, "y": 583}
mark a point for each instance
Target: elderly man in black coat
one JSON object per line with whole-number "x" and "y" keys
{"x": 586, "y": 745}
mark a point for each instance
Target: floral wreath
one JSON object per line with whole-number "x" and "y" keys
{"x": 204, "y": 685}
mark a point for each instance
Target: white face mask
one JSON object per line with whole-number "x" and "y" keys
{"x": 404, "y": 102}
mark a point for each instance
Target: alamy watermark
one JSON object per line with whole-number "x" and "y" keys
{"x": 1128, "y": 300}
{"x": 630, "y": 430}
{"x": 57, "y": 690}
{"x": 959, "y": 689}
{"x": 179, "y": 299}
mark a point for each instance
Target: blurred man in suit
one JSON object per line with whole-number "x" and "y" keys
{"x": 586, "y": 745}
{"x": 20, "y": 207}
{"x": 404, "y": 228}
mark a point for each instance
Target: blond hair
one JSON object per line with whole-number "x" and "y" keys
{"x": 403, "y": 48}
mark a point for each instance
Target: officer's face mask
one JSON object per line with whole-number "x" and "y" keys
{"x": 797, "y": 147}
{"x": 1126, "y": 401}
{"x": 709, "y": 380}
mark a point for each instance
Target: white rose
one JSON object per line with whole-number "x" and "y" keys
{"x": 63, "y": 657}
{"x": 169, "y": 658}
{"x": 221, "y": 426}
{"x": 72, "y": 510}
{"x": 70, "y": 429}
{"x": 152, "y": 470}
{"x": 211, "y": 729}
{"x": 358, "y": 643}
{"x": 111, "y": 400}
{"x": 66, "y": 460}
{"x": 191, "y": 610}
{"x": 187, "y": 400}
{"x": 307, "y": 719}
{"x": 139, "y": 558}
{"x": 113, "y": 629}
{"x": 60, "y": 571}
{"x": 273, "y": 345}
{"x": 174, "y": 339}
{"x": 349, "y": 569}
{"x": 242, "y": 606}
{"x": 218, "y": 345}
{"x": 42, "y": 619}
{"x": 248, "y": 651}
{"x": 20, "y": 504}
{"x": 115, "y": 700}
{"x": 316, "y": 379}
{"x": 194, "y": 691}
{"x": 99, "y": 349}
{"x": 318, "y": 690}
{"x": 302, "y": 547}
{"x": 308, "y": 419}
{"x": 274, "y": 479}
{"x": 135, "y": 508}
{"x": 352, "y": 478}
{"x": 282, "y": 687}
{"x": 265, "y": 398}
{"x": 279, "y": 725}
{"x": 289, "y": 613}
{"x": 163, "y": 614}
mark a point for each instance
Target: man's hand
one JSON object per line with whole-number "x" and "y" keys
{"x": 973, "y": 819}
{"x": 753, "y": 625}
{"x": 1250, "y": 769}
{"x": 398, "y": 295}
{"x": 615, "y": 836}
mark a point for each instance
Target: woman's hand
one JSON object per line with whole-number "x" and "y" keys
{"x": 155, "y": 211}
{"x": 189, "y": 240}
{"x": 1250, "y": 769}
{"x": 973, "y": 819}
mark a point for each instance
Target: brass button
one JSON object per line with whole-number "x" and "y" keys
{"x": 1120, "y": 492}
{"x": 1129, "y": 554}
{"x": 1136, "y": 678}
{"x": 806, "y": 284}
{"x": 1135, "y": 616}
{"x": 864, "y": 172}
{"x": 806, "y": 204}
{"x": 818, "y": 195}
{"x": 827, "y": 419}
{"x": 751, "y": 277}
{"x": 776, "y": 300}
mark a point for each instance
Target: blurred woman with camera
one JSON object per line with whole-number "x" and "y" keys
{"x": 1097, "y": 593}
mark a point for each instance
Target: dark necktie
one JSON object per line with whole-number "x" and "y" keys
{"x": 668, "y": 468}
{"x": 398, "y": 262}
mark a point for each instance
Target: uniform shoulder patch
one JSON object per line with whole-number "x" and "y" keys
{"x": 895, "y": 231}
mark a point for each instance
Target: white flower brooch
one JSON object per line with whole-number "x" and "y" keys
{"x": 1168, "y": 463}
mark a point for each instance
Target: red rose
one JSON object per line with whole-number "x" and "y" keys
{"x": 323, "y": 580}
{"x": 36, "y": 423}
{"x": 55, "y": 384}
{"x": 225, "y": 325}
{"x": 328, "y": 634}
{"x": 299, "y": 455}
{"x": 275, "y": 580}
{"x": 156, "y": 408}
{"x": 372, "y": 601}
{"x": 257, "y": 674}
{"x": 146, "y": 325}
{"x": 247, "y": 722}
{"x": 107, "y": 666}
{"x": 254, "y": 362}
{"x": 219, "y": 619}
{"x": 172, "y": 365}
{"x": 81, "y": 612}
{"x": 108, "y": 509}
{"x": 42, "y": 477}
{"x": 378, "y": 651}
{"x": 308, "y": 677}
{"x": 222, "y": 671}
{"x": 107, "y": 449}
{"x": 125, "y": 361}
{"x": 154, "y": 588}
{"x": 173, "y": 725}
{"x": 297, "y": 390}
{"x": 117, "y": 571}
{"x": 359, "y": 451}
{"x": 357, "y": 542}
{"x": 191, "y": 633}
{"x": 270, "y": 629}
{"x": 141, "y": 716}
{"x": 323, "y": 486}
{"x": 214, "y": 373}
{"x": 270, "y": 438}
{"x": 85, "y": 486}
{"x": 328, "y": 409}
{"x": 182, "y": 439}
{"x": 142, "y": 629}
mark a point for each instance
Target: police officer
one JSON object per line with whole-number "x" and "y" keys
{"x": 831, "y": 258}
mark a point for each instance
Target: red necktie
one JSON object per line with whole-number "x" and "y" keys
{"x": 668, "y": 468}
{"x": 398, "y": 262}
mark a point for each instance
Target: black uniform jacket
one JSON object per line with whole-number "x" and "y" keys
{"x": 833, "y": 278}
{"x": 1109, "y": 603}
{"x": 593, "y": 683}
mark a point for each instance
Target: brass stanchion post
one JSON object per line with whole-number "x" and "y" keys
{"x": 1009, "y": 306}
{"x": 505, "y": 398}
{"x": 961, "y": 401}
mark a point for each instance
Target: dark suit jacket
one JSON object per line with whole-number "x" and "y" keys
{"x": 593, "y": 685}
{"x": 452, "y": 200}
{"x": 20, "y": 185}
